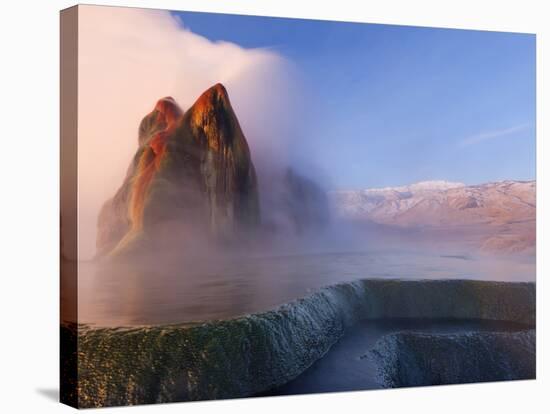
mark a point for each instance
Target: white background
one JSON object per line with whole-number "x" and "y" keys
{"x": 29, "y": 215}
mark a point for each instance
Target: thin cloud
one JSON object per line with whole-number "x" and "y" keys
{"x": 494, "y": 134}
{"x": 128, "y": 59}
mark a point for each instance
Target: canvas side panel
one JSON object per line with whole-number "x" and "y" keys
{"x": 68, "y": 206}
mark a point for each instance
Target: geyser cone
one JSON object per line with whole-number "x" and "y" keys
{"x": 192, "y": 177}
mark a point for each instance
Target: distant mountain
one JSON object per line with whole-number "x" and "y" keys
{"x": 503, "y": 211}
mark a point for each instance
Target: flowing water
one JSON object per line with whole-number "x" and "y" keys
{"x": 487, "y": 327}
{"x": 360, "y": 360}
{"x": 220, "y": 288}
{"x": 227, "y": 327}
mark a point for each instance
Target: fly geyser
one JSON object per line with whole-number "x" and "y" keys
{"x": 192, "y": 177}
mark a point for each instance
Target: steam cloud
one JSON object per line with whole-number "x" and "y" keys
{"x": 129, "y": 58}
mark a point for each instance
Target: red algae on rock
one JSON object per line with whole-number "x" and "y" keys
{"x": 191, "y": 168}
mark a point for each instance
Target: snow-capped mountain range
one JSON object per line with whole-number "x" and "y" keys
{"x": 505, "y": 209}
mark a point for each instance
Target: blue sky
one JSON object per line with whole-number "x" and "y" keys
{"x": 397, "y": 104}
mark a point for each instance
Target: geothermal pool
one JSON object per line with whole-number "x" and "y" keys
{"x": 365, "y": 334}
{"x": 238, "y": 326}
{"x": 373, "y": 356}
{"x": 117, "y": 295}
